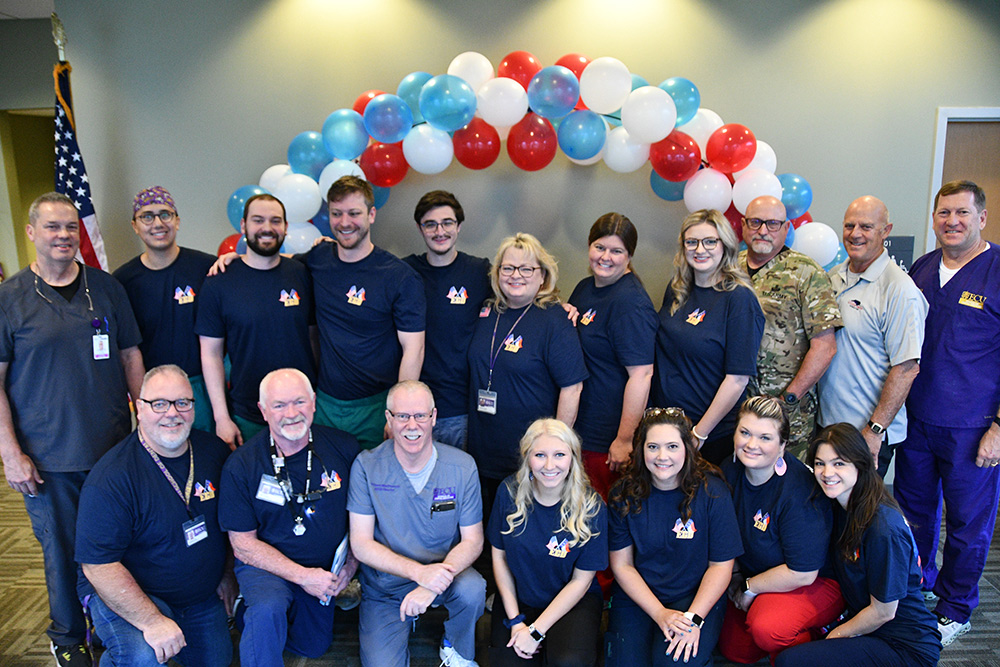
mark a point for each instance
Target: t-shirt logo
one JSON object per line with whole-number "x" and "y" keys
{"x": 330, "y": 483}
{"x": 457, "y": 296}
{"x": 182, "y": 296}
{"x": 588, "y": 317}
{"x": 355, "y": 296}
{"x": 289, "y": 298}
{"x": 855, "y": 304}
{"x": 556, "y": 548}
{"x": 696, "y": 316}
{"x": 206, "y": 492}
{"x": 484, "y": 311}
{"x": 971, "y": 300}
{"x": 684, "y": 531}
{"x": 760, "y": 521}
{"x": 512, "y": 344}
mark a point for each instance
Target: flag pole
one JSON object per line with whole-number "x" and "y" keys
{"x": 59, "y": 36}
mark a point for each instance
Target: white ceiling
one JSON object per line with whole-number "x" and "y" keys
{"x": 26, "y": 9}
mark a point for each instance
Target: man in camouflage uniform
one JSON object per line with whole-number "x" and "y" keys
{"x": 801, "y": 317}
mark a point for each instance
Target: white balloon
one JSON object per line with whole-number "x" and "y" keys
{"x": 472, "y": 67}
{"x": 708, "y": 189}
{"x": 701, "y": 127}
{"x": 501, "y": 102}
{"x": 300, "y": 195}
{"x": 335, "y": 170}
{"x": 269, "y": 179}
{"x": 300, "y": 237}
{"x": 624, "y": 154}
{"x": 764, "y": 159}
{"x": 428, "y": 150}
{"x": 752, "y": 184}
{"x": 818, "y": 241}
{"x": 605, "y": 84}
{"x": 649, "y": 114}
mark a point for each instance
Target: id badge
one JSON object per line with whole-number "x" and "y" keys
{"x": 102, "y": 350}
{"x": 195, "y": 530}
{"x": 487, "y": 402}
{"x": 269, "y": 490}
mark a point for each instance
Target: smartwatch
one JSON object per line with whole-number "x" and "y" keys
{"x": 694, "y": 618}
{"x": 746, "y": 588}
{"x": 535, "y": 634}
{"x": 876, "y": 428}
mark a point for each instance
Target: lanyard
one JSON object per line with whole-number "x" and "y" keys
{"x": 186, "y": 496}
{"x": 496, "y": 355}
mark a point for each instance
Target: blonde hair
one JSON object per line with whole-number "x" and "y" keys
{"x": 548, "y": 293}
{"x": 579, "y": 503}
{"x": 730, "y": 274}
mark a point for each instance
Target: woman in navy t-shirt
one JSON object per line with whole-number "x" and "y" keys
{"x": 548, "y": 531}
{"x": 876, "y": 563}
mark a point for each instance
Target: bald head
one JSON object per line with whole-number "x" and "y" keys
{"x": 766, "y": 207}
{"x": 764, "y": 230}
{"x": 866, "y": 227}
{"x": 870, "y": 208}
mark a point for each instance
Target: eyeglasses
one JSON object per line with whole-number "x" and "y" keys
{"x": 709, "y": 243}
{"x": 669, "y": 412}
{"x": 755, "y": 223}
{"x": 507, "y": 270}
{"x": 403, "y": 417}
{"x": 161, "y": 405}
{"x": 432, "y": 225}
{"x": 149, "y": 217}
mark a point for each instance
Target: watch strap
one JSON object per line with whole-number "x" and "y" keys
{"x": 875, "y": 427}
{"x": 694, "y": 618}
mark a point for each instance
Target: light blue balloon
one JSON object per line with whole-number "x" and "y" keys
{"x": 553, "y": 92}
{"x": 686, "y": 97}
{"x": 790, "y": 236}
{"x": 796, "y": 194}
{"x": 388, "y": 118}
{"x": 241, "y": 246}
{"x": 665, "y": 189}
{"x": 581, "y": 134}
{"x": 447, "y": 102}
{"x": 381, "y": 195}
{"x": 344, "y": 134}
{"x": 237, "y": 200}
{"x": 840, "y": 258}
{"x": 409, "y": 89}
{"x": 307, "y": 154}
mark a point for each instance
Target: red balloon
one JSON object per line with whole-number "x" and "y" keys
{"x": 364, "y": 98}
{"x": 384, "y": 164}
{"x": 531, "y": 143}
{"x": 735, "y": 219}
{"x": 520, "y": 66}
{"x": 731, "y": 148}
{"x": 675, "y": 158}
{"x": 228, "y": 244}
{"x": 477, "y": 145}
{"x": 802, "y": 219}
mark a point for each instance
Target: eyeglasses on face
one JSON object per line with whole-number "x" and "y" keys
{"x": 149, "y": 217}
{"x": 709, "y": 243}
{"x": 508, "y": 270}
{"x": 161, "y": 405}
{"x": 403, "y": 417}
{"x": 432, "y": 225}
{"x": 755, "y": 223}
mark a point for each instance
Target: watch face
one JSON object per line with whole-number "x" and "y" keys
{"x": 791, "y": 399}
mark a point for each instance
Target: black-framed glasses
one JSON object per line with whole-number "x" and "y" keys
{"x": 508, "y": 270}
{"x": 149, "y": 217}
{"x": 755, "y": 223}
{"x": 161, "y": 405}
{"x": 432, "y": 225}
{"x": 403, "y": 417}
{"x": 709, "y": 243}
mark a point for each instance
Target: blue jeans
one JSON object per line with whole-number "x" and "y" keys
{"x": 452, "y": 431}
{"x": 635, "y": 640}
{"x": 204, "y": 626}
{"x": 280, "y": 616}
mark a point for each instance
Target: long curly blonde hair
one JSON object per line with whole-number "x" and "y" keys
{"x": 579, "y": 503}
{"x": 548, "y": 293}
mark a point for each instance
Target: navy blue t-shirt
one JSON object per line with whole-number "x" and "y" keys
{"x": 325, "y": 519}
{"x": 780, "y": 521}
{"x": 669, "y": 553}
{"x": 538, "y": 552}
{"x": 165, "y": 302}
{"x": 887, "y": 569}
{"x": 454, "y": 294}
{"x": 712, "y": 335}
{"x": 540, "y": 356}
{"x": 130, "y": 514}
{"x": 360, "y": 307}
{"x": 264, "y": 317}
{"x": 617, "y": 328}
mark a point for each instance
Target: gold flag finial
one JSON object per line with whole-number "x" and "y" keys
{"x": 59, "y": 36}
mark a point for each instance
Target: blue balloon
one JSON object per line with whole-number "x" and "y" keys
{"x": 322, "y": 220}
{"x": 553, "y": 92}
{"x": 686, "y": 97}
{"x": 447, "y": 102}
{"x": 581, "y": 134}
{"x": 307, "y": 154}
{"x": 790, "y": 236}
{"x": 840, "y": 258}
{"x": 241, "y": 246}
{"x": 381, "y": 195}
{"x": 388, "y": 118}
{"x": 237, "y": 200}
{"x": 344, "y": 134}
{"x": 638, "y": 81}
{"x": 409, "y": 89}
{"x": 665, "y": 189}
{"x": 796, "y": 194}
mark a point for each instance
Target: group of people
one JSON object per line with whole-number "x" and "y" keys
{"x": 749, "y": 355}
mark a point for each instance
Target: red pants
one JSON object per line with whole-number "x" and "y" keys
{"x": 779, "y": 620}
{"x": 602, "y": 479}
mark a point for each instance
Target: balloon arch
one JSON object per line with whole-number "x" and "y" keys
{"x": 591, "y": 110}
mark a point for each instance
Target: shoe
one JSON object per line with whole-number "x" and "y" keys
{"x": 76, "y": 655}
{"x": 929, "y": 596}
{"x": 951, "y": 630}
{"x": 350, "y": 597}
{"x": 451, "y": 658}
{"x": 489, "y": 602}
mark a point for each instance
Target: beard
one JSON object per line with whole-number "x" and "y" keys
{"x": 271, "y": 251}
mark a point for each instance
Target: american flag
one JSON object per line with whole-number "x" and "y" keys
{"x": 71, "y": 176}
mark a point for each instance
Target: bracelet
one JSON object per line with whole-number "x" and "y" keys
{"x": 695, "y": 434}
{"x": 511, "y": 622}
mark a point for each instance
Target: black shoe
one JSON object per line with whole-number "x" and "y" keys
{"x": 76, "y": 655}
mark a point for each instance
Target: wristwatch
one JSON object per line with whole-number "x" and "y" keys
{"x": 876, "y": 428}
{"x": 535, "y": 634}
{"x": 790, "y": 398}
{"x": 746, "y": 588}
{"x": 694, "y": 618}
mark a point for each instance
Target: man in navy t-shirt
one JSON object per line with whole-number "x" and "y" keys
{"x": 455, "y": 286}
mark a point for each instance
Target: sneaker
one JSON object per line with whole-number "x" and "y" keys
{"x": 350, "y": 597}
{"x": 71, "y": 656}
{"x": 929, "y": 596}
{"x": 951, "y": 630}
{"x": 489, "y": 602}
{"x": 451, "y": 658}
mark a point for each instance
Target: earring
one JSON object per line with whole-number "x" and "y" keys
{"x": 780, "y": 467}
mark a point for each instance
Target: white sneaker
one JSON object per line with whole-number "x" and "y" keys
{"x": 350, "y": 597}
{"x": 951, "y": 630}
{"x": 929, "y": 596}
{"x": 451, "y": 658}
